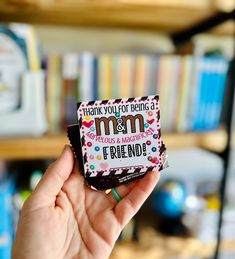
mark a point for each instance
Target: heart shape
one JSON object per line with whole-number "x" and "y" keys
{"x": 154, "y": 160}
{"x": 150, "y": 121}
{"x": 88, "y": 124}
{"x": 87, "y": 118}
{"x": 104, "y": 165}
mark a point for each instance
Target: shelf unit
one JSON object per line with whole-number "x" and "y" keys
{"x": 50, "y": 146}
{"x": 169, "y": 16}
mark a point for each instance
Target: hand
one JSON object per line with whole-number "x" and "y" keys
{"x": 64, "y": 218}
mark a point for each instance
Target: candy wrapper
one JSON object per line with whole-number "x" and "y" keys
{"x": 118, "y": 141}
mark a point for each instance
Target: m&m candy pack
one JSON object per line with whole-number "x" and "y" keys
{"x": 118, "y": 141}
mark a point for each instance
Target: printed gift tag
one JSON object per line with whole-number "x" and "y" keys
{"x": 120, "y": 140}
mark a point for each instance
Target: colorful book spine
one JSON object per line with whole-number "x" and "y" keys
{"x": 87, "y": 86}
{"x": 221, "y": 69}
{"x": 165, "y": 83}
{"x": 105, "y": 77}
{"x": 185, "y": 83}
{"x": 173, "y": 92}
{"x": 210, "y": 95}
{"x": 196, "y": 78}
{"x": 140, "y": 82}
{"x": 126, "y": 75}
{"x": 54, "y": 105}
{"x": 204, "y": 79}
{"x": 7, "y": 188}
{"x": 152, "y": 78}
{"x": 115, "y": 91}
{"x": 69, "y": 89}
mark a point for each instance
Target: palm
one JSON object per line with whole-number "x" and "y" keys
{"x": 67, "y": 219}
{"x": 93, "y": 213}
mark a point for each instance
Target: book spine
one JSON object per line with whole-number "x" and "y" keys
{"x": 165, "y": 84}
{"x": 184, "y": 94}
{"x": 140, "y": 75}
{"x": 221, "y": 72}
{"x": 69, "y": 88}
{"x": 87, "y": 76}
{"x": 197, "y": 93}
{"x": 105, "y": 76}
{"x": 94, "y": 94}
{"x": 173, "y": 92}
{"x": 153, "y": 68}
{"x": 115, "y": 92}
{"x": 206, "y": 80}
{"x": 54, "y": 106}
{"x": 212, "y": 93}
{"x": 126, "y": 71}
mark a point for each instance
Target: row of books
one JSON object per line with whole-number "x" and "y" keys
{"x": 191, "y": 90}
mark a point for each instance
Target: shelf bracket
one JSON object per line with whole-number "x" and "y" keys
{"x": 181, "y": 37}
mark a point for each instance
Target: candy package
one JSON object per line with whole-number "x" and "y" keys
{"x": 118, "y": 141}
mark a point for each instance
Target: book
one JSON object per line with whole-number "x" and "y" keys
{"x": 115, "y": 91}
{"x": 174, "y": 77}
{"x": 185, "y": 81}
{"x": 87, "y": 77}
{"x": 69, "y": 95}
{"x": 211, "y": 94}
{"x": 152, "y": 78}
{"x": 167, "y": 86}
{"x": 126, "y": 69}
{"x": 204, "y": 80}
{"x": 221, "y": 68}
{"x": 211, "y": 85}
{"x": 140, "y": 82}
{"x": 55, "y": 109}
{"x": 104, "y": 76}
{"x": 7, "y": 187}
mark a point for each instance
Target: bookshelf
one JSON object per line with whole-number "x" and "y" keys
{"x": 50, "y": 146}
{"x": 169, "y": 16}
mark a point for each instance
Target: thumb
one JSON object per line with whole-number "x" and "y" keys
{"x": 56, "y": 174}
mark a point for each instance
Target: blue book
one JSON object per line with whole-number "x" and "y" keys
{"x": 152, "y": 78}
{"x": 88, "y": 81}
{"x": 208, "y": 75}
{"x": 214, "y": 94}
{"x": 221, "y": 75}
{"x": 210, "y": 92}
{"x": 202, "y": 78}
{"x": 95, "y": 79}
{"x": 6, "y": 218}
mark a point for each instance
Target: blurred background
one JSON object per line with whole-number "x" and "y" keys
{"x": 55, "y": 53}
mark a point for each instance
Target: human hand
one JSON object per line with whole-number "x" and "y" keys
{"x": 64, "y": 218}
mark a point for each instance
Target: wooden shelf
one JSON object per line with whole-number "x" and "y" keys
{"x": 153, "y": 245}
{"x": 169, "y": 16}
{"x": 32, "y": 148}
{"x": 214, "y": 140}
{"x": 50, "y": 146}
